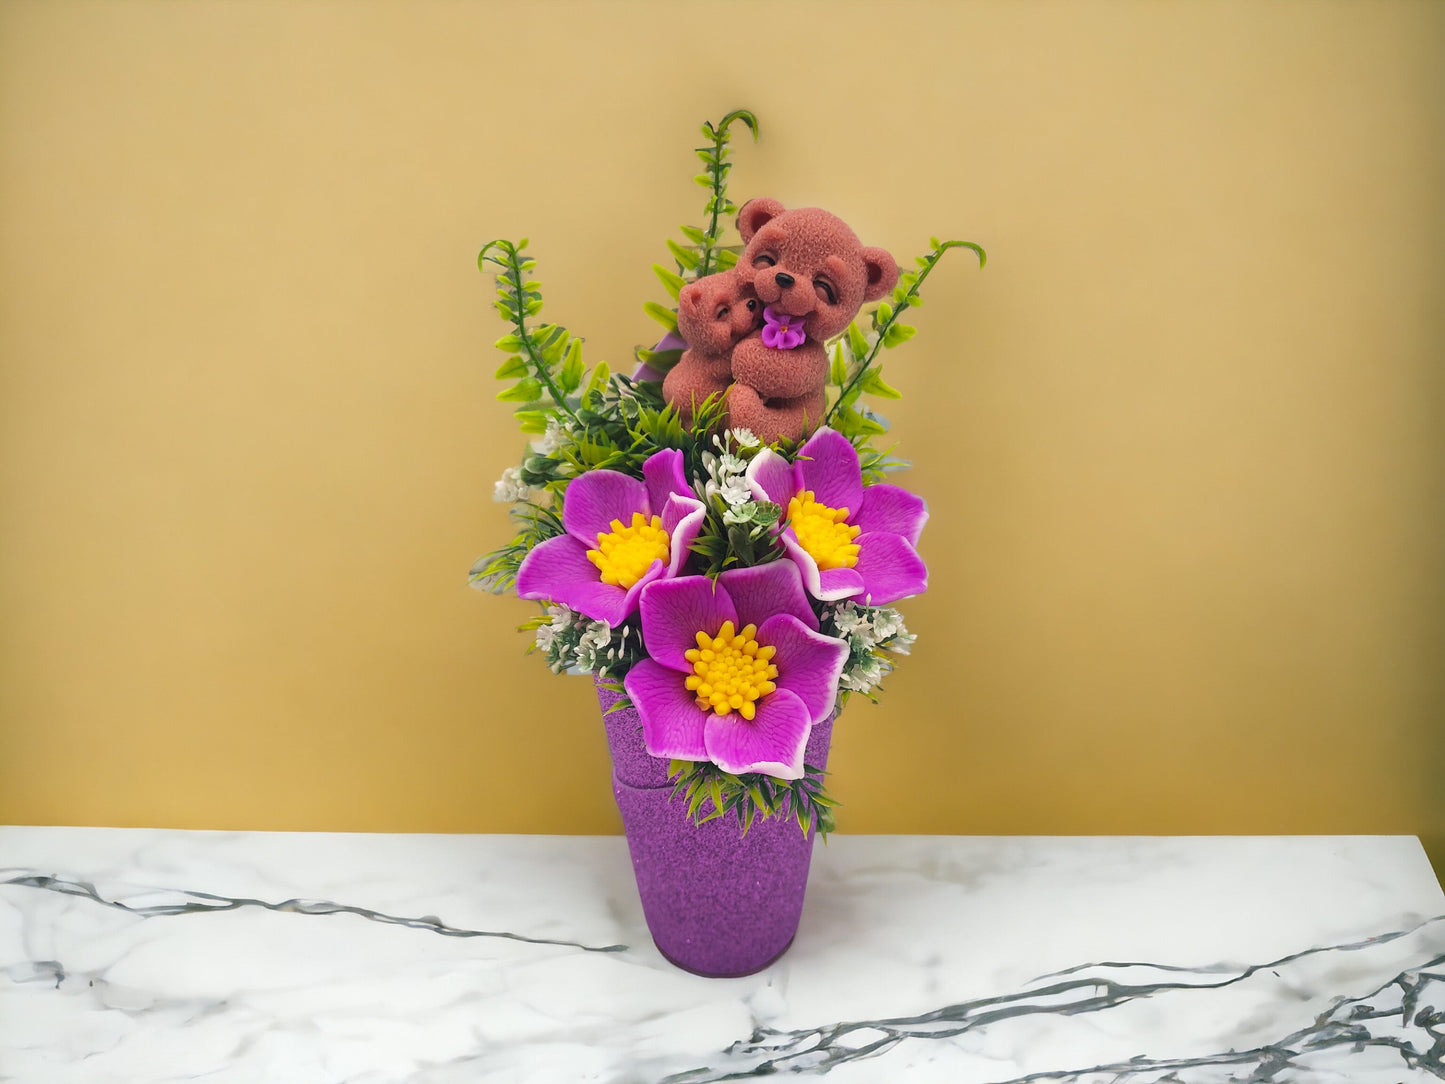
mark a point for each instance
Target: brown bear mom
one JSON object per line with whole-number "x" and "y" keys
{"x": 810, "y": 275}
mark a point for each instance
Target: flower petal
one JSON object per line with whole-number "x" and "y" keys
{"x": 762, "y": 591}
{"x": 809, "y": 663}
{"x": 828, "y": 465}
{"x": 664, "y": 477}
{"x": 893, "y": 509}
{"x": 655, "y": 571}
{"x": 682, "y": 519}
{"x": 593, "y": 500}
{"x": 675, "y": 611}
{"x": 558, "y": 570}
{"x": 828, "y": 585}
{"x": 672, "y": 723}
{"x": 771, "y": 477}
{"x": 772, "y": 743}
{"x": 835, "y": 584}
{"x": 890, "y": 567}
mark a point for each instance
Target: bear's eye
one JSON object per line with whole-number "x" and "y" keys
{"x": 824, "y": 289}
{"x": 752, "y": 305}
{"x": 722, "y": 313}
{"x": 763, "y": 261}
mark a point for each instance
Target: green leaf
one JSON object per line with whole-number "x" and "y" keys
{"x": 882, "y": 314}
{"x": 570, "y": 378}
{"x": 743, "y": 115}
{"x": 510, "y": 368}
{"x": 838, "y": 370}
{"x": 671, "y": 282}
{"x": 553, "y": 346}
{"x": 852, "y": 423}
{"x": 898, "y": 333}
{"x": 532, "y": 421}
{"x": 704, "y": 179}
{"x": 600, "y": 373}
{"x": 666, "y": 317}
{"x": 694, "y": 234}
{"x": 524, "y": 391}
{"x": 857, "y": 342}
{"x": 873, "y": 384}
{"x": 696, "y": 796}
{"x": 508, "y": 342}
{"x": 664, "y": 360}
{"x": 726, "y": 259}
{"x": 686, "y": 257}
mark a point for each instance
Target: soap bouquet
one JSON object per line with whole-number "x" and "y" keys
{"x": 712, "y": 536}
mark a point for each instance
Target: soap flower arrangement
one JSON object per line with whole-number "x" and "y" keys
{"x": 734, "y": 587}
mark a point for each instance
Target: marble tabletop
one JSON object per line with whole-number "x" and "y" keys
{"x": 138, "y": 955}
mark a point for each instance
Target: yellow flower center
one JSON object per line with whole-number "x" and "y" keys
{"x": 625, "y": 553}
{"x": 730, "y": 671}
{"x": 824, "y": 532}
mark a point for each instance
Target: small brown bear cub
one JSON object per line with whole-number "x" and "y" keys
{"x": 713, "y": 315}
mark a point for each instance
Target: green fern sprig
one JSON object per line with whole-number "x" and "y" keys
{"x": 862, "y": 375}
{"x": 704, "y": 254}
{"x": 543, "y": 358}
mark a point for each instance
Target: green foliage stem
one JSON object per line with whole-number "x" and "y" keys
{"x": 890, "y": 331}
{"x": 717, "y": 168}
{"x": 546, "y": 356}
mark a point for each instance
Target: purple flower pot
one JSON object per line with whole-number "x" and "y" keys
{"x": 717, "y": 903}
{"x": 631, "y": 762}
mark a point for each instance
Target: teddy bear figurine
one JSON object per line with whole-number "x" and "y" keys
{"x": 714, "y": 314}
{"x": 811, "y": 274}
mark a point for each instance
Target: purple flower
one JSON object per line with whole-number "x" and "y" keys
{"x": 848, "y": 540}
{"x": 782, "y": 330}
{"x": 739, "y": 672}
{"x": 622, "y": 534}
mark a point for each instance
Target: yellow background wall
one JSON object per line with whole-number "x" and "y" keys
{"x": 1182, "y": 438}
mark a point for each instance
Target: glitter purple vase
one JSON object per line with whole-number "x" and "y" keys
{"x": 631, "y": 762}
{"x": 717, "y": 903}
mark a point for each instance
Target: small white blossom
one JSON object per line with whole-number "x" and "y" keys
{"x": 867, "y": 673}
{"x": 870, "y": 633}
{"x": 726, "y": 478}
{"x": 901, "y": 643}
{"x": 510, "y": 488}
{"x": 555, "y": 436}
{"x": 592, "y": 644}
{"x": 886, "y": 625}
{"x": 743, "y": 438}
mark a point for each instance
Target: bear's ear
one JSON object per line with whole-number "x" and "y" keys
{"x": 882, "y": 272}
{"x": 755, "y": 214}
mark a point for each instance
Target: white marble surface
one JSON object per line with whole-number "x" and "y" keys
{"x": 156, "y": 956}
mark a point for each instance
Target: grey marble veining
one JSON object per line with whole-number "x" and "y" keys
{"x": 158, "y": 956}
